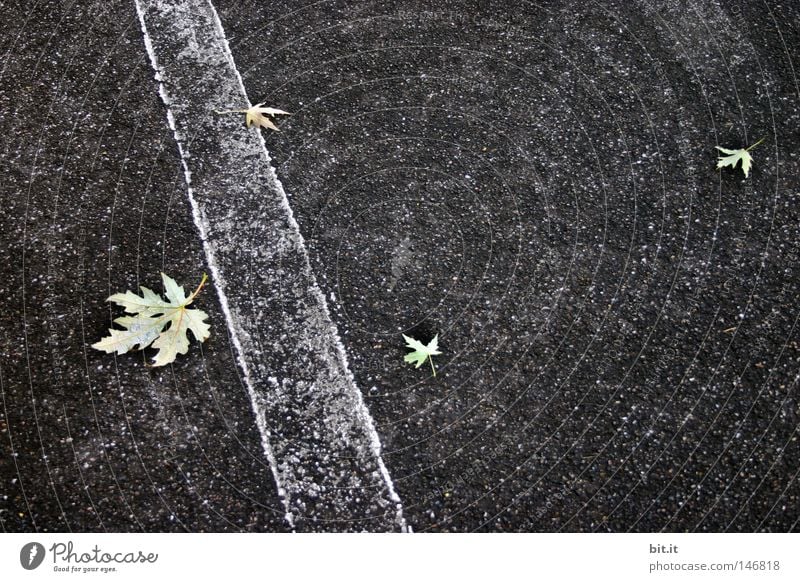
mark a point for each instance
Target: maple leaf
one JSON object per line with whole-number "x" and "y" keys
{"x": 421, "y": 351}
{"x": 152, "y": 315}
{"x": 734, "y": 156}
{"x": 257, "y": 114}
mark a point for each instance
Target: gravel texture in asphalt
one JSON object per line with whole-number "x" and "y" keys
{"x": 536, "y": 185}
{"x": 94, "y": 202}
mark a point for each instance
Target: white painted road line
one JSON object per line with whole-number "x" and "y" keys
{"x": 316, "y": 431}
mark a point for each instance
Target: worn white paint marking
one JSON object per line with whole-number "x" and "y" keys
{"x": 202, "y": 228}
{"x": 362, "y": 410}
{"x": 317, "y": 433}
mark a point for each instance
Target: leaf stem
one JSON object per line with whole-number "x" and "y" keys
{"x": 755, "y": 144}
{"x": 230, "y": 111}
{"x": 430, "y": 359}
{"x": 196, "y": 291}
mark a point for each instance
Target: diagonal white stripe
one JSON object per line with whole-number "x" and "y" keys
{"x": 316, "y": 431}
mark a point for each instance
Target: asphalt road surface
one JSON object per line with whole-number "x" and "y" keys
{"x": 618, "y": 319}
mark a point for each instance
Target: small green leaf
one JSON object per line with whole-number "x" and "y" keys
{"x": 421, "y": 351}
{"x": 734, "y": 156}
{"x": 152, "y": 315}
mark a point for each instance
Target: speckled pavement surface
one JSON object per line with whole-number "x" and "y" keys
{"x": 618, "y": 319}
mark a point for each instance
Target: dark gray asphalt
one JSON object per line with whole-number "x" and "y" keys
{"x": 94, "y": 202}
{"x": 536, "y": 185}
